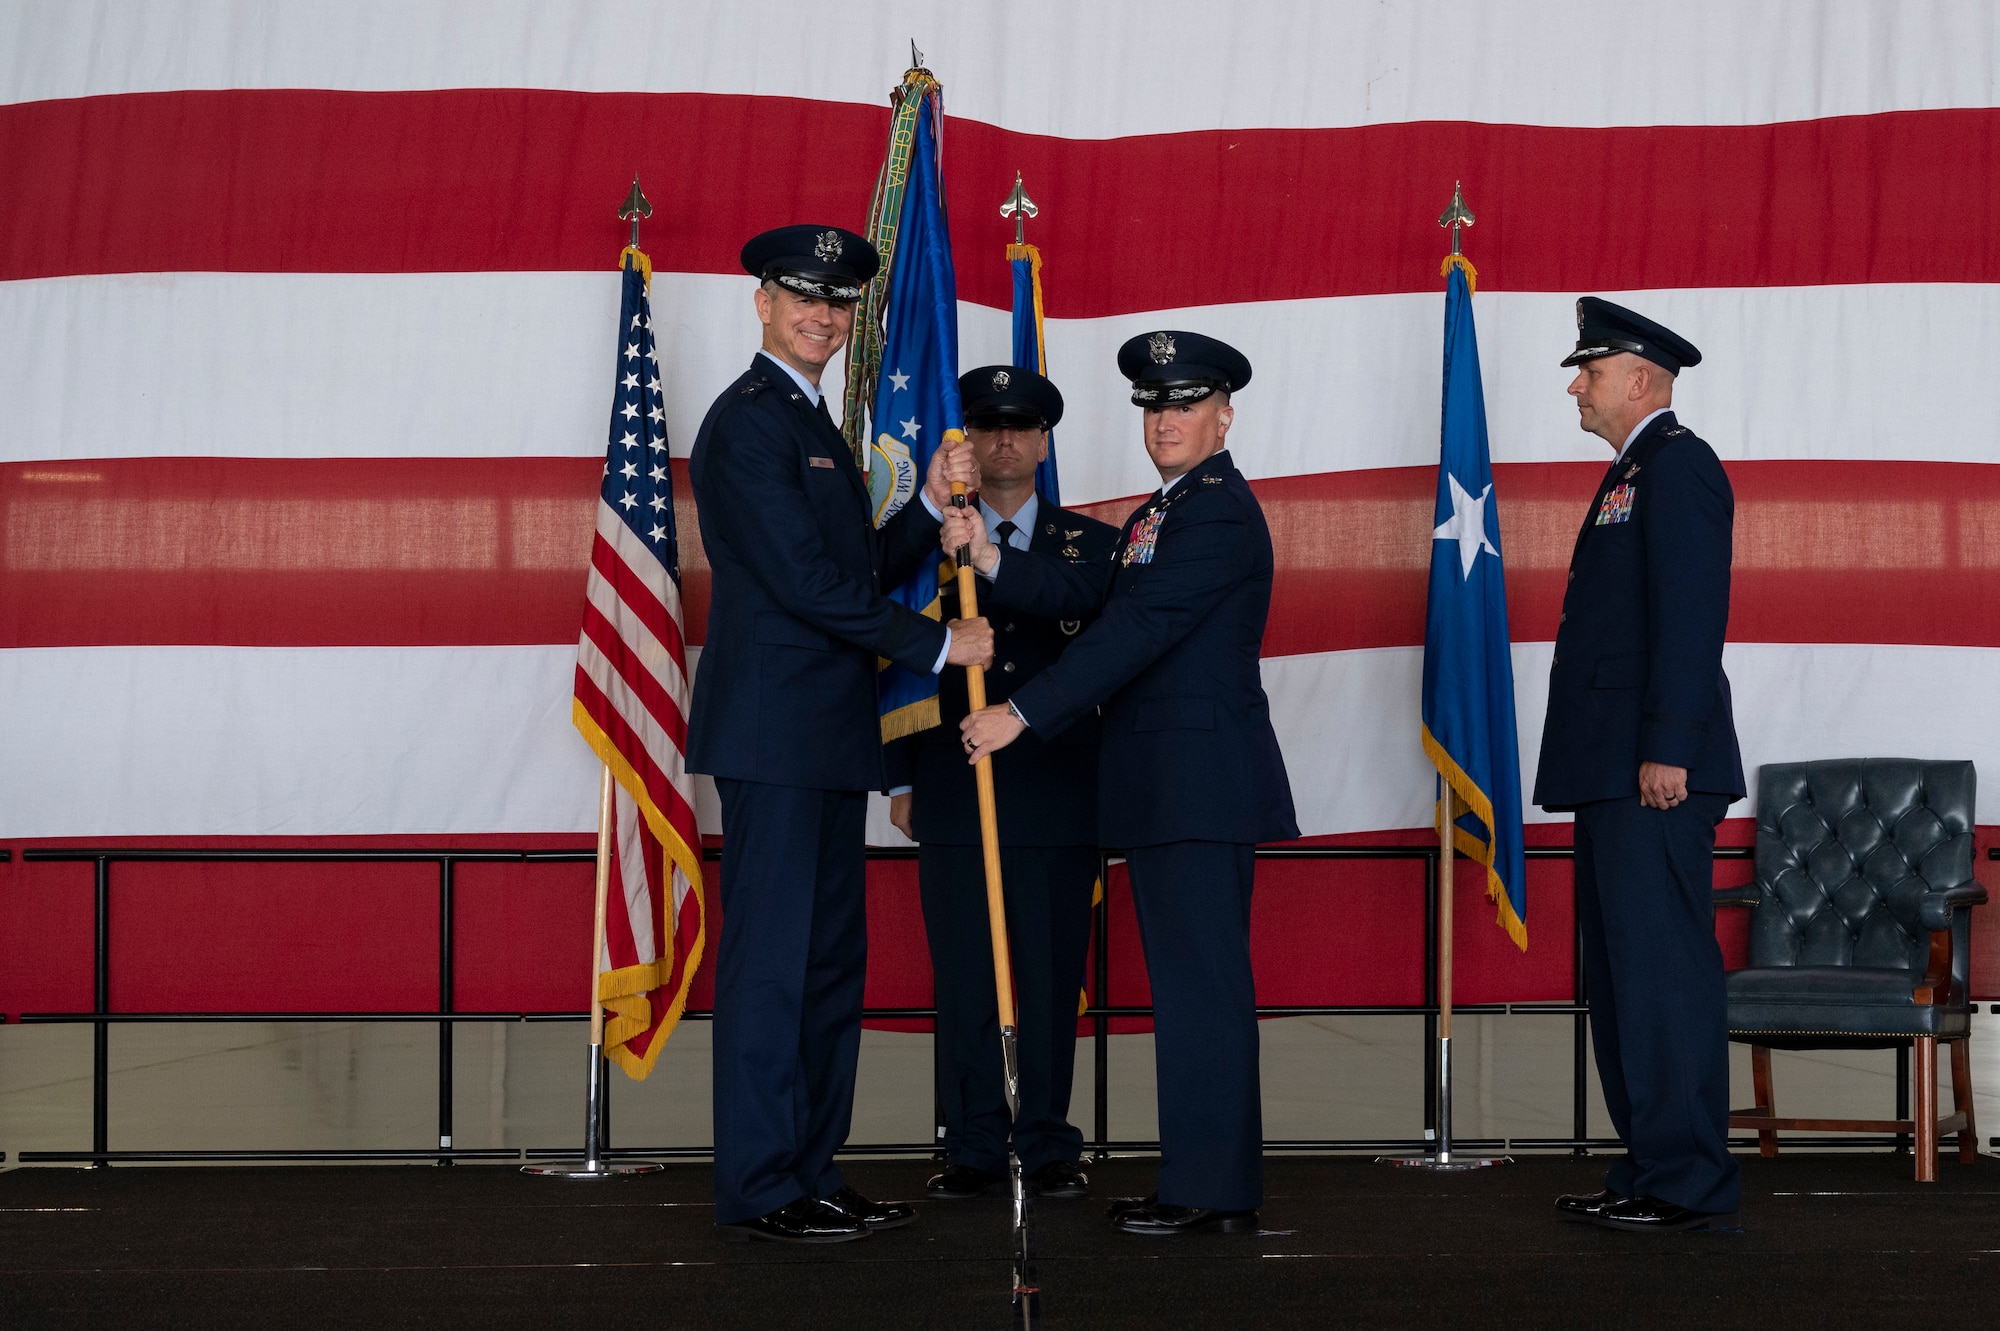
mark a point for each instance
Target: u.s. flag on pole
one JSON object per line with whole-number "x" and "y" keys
{"x": 631, "y": 705}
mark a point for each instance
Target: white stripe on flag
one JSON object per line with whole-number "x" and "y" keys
{"x": 1083, "y": 71}
{"x": 371, "y": 741}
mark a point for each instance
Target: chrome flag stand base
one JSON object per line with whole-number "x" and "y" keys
{"x": 1443, "y": 1161}
{"x": 593, "y": 1164}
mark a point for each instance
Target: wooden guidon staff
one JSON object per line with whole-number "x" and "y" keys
{"x": 1025, "y": 1291}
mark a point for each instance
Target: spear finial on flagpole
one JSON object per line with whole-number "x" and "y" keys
{"x": 634, "y": 208}
{"x": 1455, "y": 215}
{"x": 1019, "y": 207}
{"x": 916, "y": 56}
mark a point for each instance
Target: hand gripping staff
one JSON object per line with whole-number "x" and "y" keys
{"x": 1026, "y": 1293}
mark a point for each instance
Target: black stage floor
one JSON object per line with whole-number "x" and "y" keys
{"x": 1824, "y": 1240}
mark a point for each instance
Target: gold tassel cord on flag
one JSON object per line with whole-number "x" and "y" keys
{"x": 1451, "y": 261}
{"x": 645, "y": 264}
{"x": 885, "y": 215}
{"x": 1034, "y": 258}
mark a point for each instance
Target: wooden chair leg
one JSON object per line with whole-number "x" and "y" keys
{"x": 1961, "y": 1100}
{"x": 1926, "y": 1108}
{"x": 1760, "y": 1083}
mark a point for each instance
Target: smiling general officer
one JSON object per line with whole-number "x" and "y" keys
{"x": 784, "y": 718}
{"x": 1640, "y": 742}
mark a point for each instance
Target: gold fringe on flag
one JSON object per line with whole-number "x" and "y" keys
{"x": 885, "y": 215}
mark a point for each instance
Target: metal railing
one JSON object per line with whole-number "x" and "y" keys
{"x": 1101, "y": 1013}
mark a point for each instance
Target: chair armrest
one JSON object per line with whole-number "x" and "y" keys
{"x": 1743, "y": 894}
{"x": 1934, "y": 911}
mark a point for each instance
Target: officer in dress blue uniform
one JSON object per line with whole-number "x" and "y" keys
{"x": 784, "y": 718}
{"x": 1046, "y": 794}
{"x": 1190, "y": 778}
{"x": 1640, "y": 743}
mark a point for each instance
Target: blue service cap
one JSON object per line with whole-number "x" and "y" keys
{"x": 823, "y": 262}
{"x": 1604, "y": 329}
{"x": 1171, "y": 368}
{"x": 999, "y": 395}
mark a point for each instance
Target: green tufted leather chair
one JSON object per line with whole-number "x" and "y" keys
{"x": 1861, "y": 933}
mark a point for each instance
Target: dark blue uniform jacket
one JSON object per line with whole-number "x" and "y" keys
{"x": 785, "y": 692}
{"x": 1188, "y": 753}
{"x": 1045, "y": 786}
{"x": 1637, "y": 675}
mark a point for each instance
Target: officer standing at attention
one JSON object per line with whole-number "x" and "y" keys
{"x": 784, "y": 718}
{"x": 1190, "y": 778}
{"x": 1046, "y": 792}
{"x": 1641, "y": 744}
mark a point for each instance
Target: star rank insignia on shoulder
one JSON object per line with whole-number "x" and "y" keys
{"x": 1678, "y": 429}
{"x": 1211, "y": 480}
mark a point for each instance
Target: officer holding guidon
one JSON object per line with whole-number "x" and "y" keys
{"x": 1190, "y": 775}
{"x": 1046, "y": 790}
{"x": 784, "y": 718}
{"x": 1640, "y": 743}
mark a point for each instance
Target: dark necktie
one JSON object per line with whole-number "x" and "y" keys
{"x": 1005, "y": 531}
{"x": 826, "y": 415}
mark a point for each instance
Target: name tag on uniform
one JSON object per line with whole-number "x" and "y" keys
{"x": 1145, "y": 535}
{"x": 821, "y": 462}
{"x": 1617, "y": 505}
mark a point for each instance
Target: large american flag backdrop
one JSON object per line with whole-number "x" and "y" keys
{"x": 305, "y": 309}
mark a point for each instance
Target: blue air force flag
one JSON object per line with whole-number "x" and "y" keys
{"x": 1030, "y": 350}
{"x": 1468, "y": 671}
{"x": 916, "y": 399}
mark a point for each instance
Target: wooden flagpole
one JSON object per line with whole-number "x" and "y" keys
{"x": 1026, "y": 1294}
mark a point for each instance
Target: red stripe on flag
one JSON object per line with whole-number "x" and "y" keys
{"x": 1907, "y": 551}
{"x": 294, "y": 180}
{"x": 679, "y": 814}
{"x": 639, "y": 598}
{"x": 645, "y": 687}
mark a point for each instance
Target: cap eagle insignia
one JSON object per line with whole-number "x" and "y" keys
{"x": 1001, "y": 379}
{"x": 1160, "y": 346}
{"x": 828, "y": 248}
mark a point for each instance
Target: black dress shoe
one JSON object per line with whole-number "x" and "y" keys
{"x": 802, "y": 1221}
{"x": 1059, "y": 1178}
{"x": 1162, "y": 1218}
{"x": 1650, "y": 1215}
{"x": 875, "y": 1215}
{"x": 1585, "y": 1207}
{"x": 1121, "y": 1206}
{"x": 961, "y": 1181}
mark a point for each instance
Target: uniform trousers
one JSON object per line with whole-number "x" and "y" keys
{"x": 1048, "y": 891}
{"x": 1658, "y": 1016}
{"x": 1193, "y": 900}
{"x": 788, "y": 990}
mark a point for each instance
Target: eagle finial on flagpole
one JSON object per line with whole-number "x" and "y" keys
{"x": 1019, "y": 207}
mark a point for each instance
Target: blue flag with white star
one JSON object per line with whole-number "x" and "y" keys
{"x": 916, "y": 399}
{"x": 1469, "y": 731}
